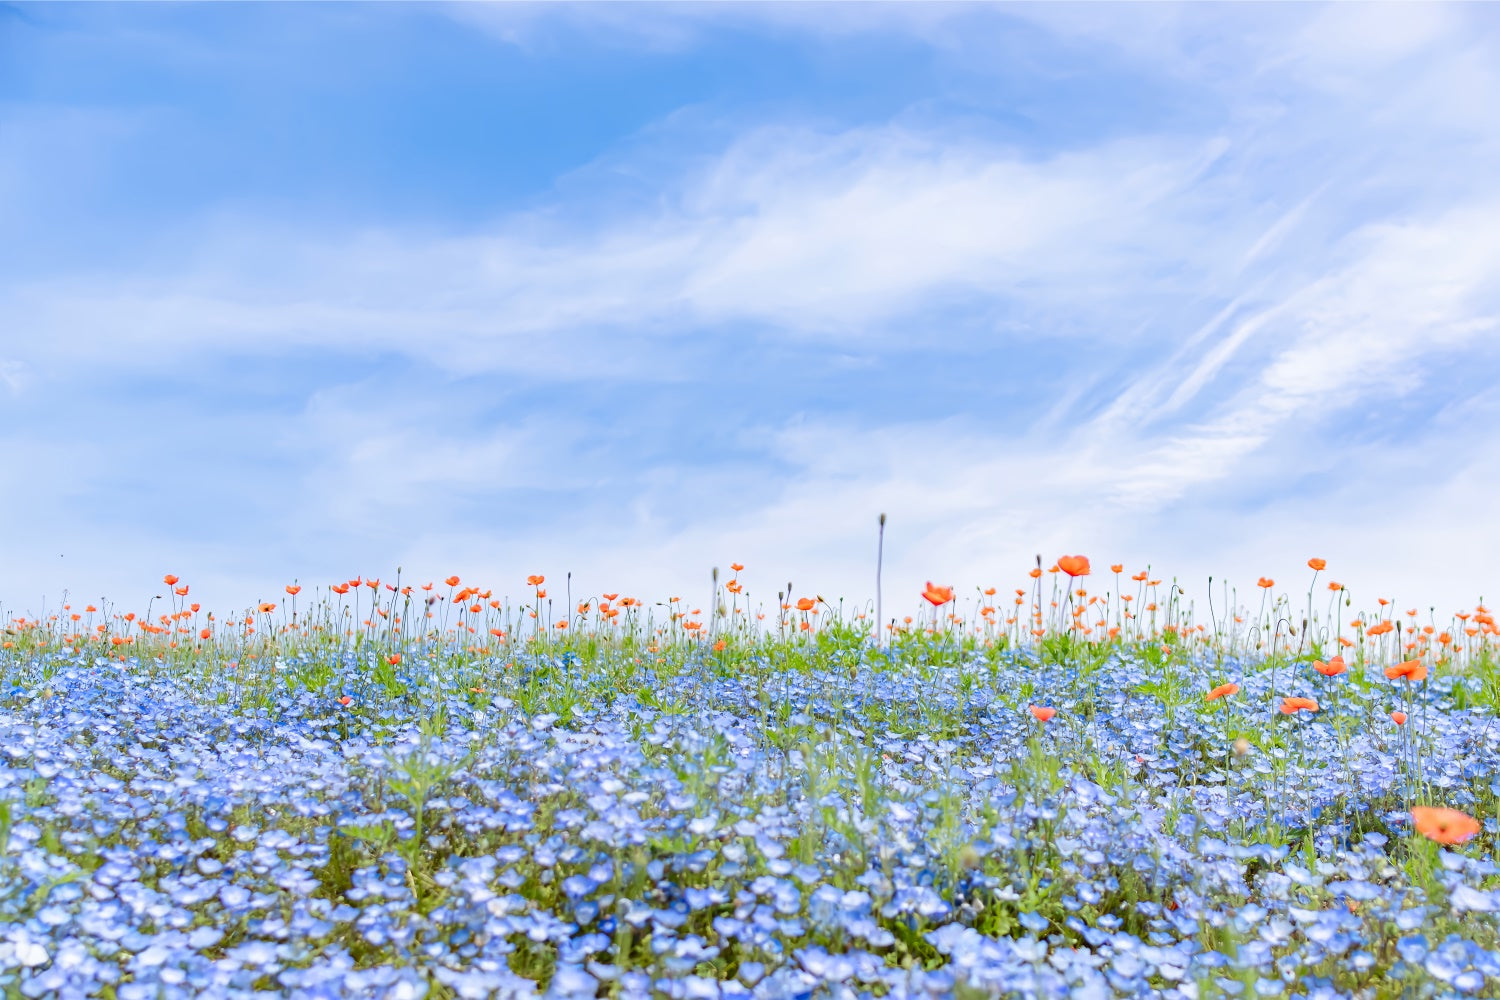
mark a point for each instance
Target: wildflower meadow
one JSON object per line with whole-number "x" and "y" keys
{"x": 1076, "y": 783}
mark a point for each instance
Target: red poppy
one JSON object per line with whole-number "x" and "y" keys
{"x": 1446, "y": 826}
{"x": 937, "y": 595}
{"x": 1399, "y": 718}
{"x": 169, "y": 579}
{"x": 1411, "y": 670}
{"x": 1332, "y": 668}
{"x": 1074, "y": 565}
{"x": 1042, "y": 714}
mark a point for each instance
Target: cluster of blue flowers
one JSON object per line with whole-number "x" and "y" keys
{"x": 866, "y": 825}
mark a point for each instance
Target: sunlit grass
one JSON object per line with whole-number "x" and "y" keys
{"x": 379, "y": 788}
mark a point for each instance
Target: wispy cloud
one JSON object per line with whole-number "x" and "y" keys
{"x": 803, "y": 232}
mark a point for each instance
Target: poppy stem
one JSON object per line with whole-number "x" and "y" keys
{"x": 879, "y": 559}
{"x": 713, "y": 602}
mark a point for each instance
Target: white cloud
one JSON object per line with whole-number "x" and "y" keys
{"x": 14, "y": 375}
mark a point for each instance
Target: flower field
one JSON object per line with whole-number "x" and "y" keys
{"x": 1079, "y": 785}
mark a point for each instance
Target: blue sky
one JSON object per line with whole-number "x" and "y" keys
{"x": 316, "y": 291}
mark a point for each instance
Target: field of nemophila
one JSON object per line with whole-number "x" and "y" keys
{"x": 1077, "y": 785}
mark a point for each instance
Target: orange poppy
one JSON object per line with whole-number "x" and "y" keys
{"x": 1221, "y": 691}
{"x": 1317, "y": 564}
{"x": 1411, "y": 670}
{"x": 1117, "y": 568}
{"x": 1291, "y": 706}
{"x": 1036, "y": 573}
{"x": 1399, "y": 718}
{"x": 1265, "y": 582}
{"x": 452, "y": 581}
{"x": 169, "y": 579}
{"x": 293, "y": 589}
{"x": 1446, "y": 826}
{"x": 805, "y": 603}
{"x": 938, "y": 596}
{"x": 1074, "y": 565}
{"x": 736, "y": 566}
{"x": 536, "y": 580}
{"x": 1042, "y": 714}
{"x": 345, "y": 700}
{"x": 1332, "y": 668}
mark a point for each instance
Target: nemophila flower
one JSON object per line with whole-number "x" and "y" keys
{"x": 1290, "y": 706}
{"x": 1446, "y": 826}
{"x": 1223, "y": 690}
{"x": 558, "y": 828}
